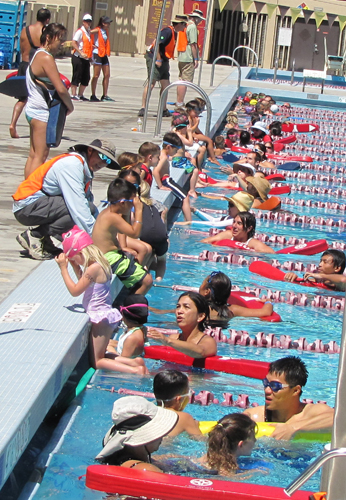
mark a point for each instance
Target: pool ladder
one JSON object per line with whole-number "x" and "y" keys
{"x": 310, "y": 471}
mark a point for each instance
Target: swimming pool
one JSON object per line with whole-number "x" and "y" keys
{"x": 83, "y": 440}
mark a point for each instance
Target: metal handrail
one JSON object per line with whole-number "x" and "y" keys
{"x": 251, "y": 50}
{"x": 186, "y": 84}
{"x": 309, "y": 471}
{"x": 276, "y": 64}
{"x": 292, "y": 73}
{"x": 230, "y": 59}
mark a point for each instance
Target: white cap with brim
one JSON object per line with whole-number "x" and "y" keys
{"x": 260, "y": 126}
{"x": 87, "y": 17}
{"x": 244, "y": 167}
{"x": 136, "y": 422}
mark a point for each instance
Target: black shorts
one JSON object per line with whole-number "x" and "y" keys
{"x": 100, "y": 61}
{"x": 23, "y": 66}
{"x": 81, "y": 71}
{"x": 154, "y": 230}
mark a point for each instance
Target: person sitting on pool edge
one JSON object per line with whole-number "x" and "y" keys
{"x": 192, "y": 313}
{"x": 330, "y": 271}
{"x": 171, "y": 390}
{"x": 282, "y": 390}
{"x": 243, "y": 230}
{"x": 138, "y": 429}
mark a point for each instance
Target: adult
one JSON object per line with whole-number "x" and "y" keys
{"x": 29, "y": 42}
{"x": 101, "y": 52}
{"x": 81, "y": 57}
{"x": 282, "y": 391}
{"x": 259, "y": 188}
{"x": 168, "y": 38}
{"x": 243, "y": 230}
{"x": 137, "y": 431}
{"x": 188, "y": 54}
{"x": 57, "y": 195}
{"x": 192, "y": 314}
{"x": 42, "y": 76}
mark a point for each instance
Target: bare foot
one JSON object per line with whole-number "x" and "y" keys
{"x": 214, "y": 160}
{"x": 13, "y": 132}
{"x": 193, "y": 194}
{"x": 142, "y": 370}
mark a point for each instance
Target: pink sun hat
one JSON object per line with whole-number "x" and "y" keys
{"x": 74, "y": 241}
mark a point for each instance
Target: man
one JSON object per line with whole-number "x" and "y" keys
{"x": 57, "y": 195}
{"x": 168, "y": 38}
{"x": 81, "y": 57}
{"x": 188, "y": 55}
{"x": 282, "y": 390}
{"x": 29, "y": 42}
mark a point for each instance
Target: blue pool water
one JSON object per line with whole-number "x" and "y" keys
{"x": 285, "y": 459}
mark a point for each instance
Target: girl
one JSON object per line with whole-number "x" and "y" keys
{"x": 131, "y": 161}
{"x": 193, "y": 111}
{"x": 101, "y": 52}
{"x": 95, "y": 281}
{"x": 42, "y": 77}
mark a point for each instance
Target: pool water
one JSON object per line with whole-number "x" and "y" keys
{"x": 283, "y": 461}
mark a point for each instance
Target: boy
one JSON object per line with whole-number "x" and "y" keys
{"x": 151, "y": 154}
{"x": 219, "y": 146}
{"x": 330, "y": 271}
{"x": 171, "y": 144}
{"x": 171, "y": 390}
{"x": 193, "y": 110}
{"x": 121, "y": 196}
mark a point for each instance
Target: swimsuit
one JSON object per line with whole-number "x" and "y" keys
{"x": 36, "y": 106}
{"x": 122, "y": 339}
{"x": 130, "y": 272}
{"x": 97, "y": 302}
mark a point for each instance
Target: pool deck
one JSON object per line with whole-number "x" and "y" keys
{"x": 42, "y": 340}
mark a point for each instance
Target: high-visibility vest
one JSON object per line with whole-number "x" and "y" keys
{"x": 104, "y": 48}
{"x": 169, "y": 49}
{"x": 35, "y": 180}
{"x": 87, "y": 44}
{"x": 182, "y": 42}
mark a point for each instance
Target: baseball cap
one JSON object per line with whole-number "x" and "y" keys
{"x": 87, "y": 17}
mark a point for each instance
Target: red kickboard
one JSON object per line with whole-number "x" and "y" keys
{"x": 249, "y": 301}
{"x": 278, "y": 147}
{"x": 310, "y": 248}
{"x": 240, "y": 149}
{"x": 299, "y": 127}
{"x": 280, "y": 190}
{"x": 225, "y": 364}
{"x": 276, "y": 177}
{"x": 307, "y": 159}
{"x": 286, "y": 140}
{"x": 139, "y": 483}
{"x": 273, "y": 273}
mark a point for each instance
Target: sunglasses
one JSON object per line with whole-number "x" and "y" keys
{"x": 274, "y": 385}
{"x": 105, "y": 158}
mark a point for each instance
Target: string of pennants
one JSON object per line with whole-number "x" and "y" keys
{"x": 295, "y": 12}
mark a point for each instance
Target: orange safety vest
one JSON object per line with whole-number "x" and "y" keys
{"x": 182, "y": 41}
{"x": 169, "y": 49}
{"x": 104, "y": 48}
{"x": 35, "y": 180}
{"x": 87, "y": 45}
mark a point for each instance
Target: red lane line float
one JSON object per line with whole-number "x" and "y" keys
{"x": 290, "y": 158}
{"x": 299, "y": 127}
{"x": 240, "y": 149}
{"x": 225, "y": 364}
{"x": 337, "y": 193}
{"x": 268, "y": 271}
{"x": 309, "y": 248}
{"x": 125, "y": 481}
{"x": 317, "y": 204}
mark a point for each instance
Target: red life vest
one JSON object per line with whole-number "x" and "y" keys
{"x": 87, "y": 44}
{"x": 104, "y": 48}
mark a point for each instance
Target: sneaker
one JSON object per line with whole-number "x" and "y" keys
{"x": 82, "y": 98}
{"x": 93, "y": 98}
{"x": 75, "y": 98}
{"x": 166, "y": 113}
{"x": 34, "y": 246}
{"x": 106, "y": 98}
{"x": 49, "y": 246}
{"x": 141, "y": 112}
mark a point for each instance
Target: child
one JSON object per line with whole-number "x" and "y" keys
{"x": 121, "y": 197}
{"x": 151, "y": 154}
{"x": 232, "y": 137}
{"x": 330, "y": 271}
{"x": 219, "y": 146}
{"x": 171, "y": 144}
{"x": 131, "y": 343}
{"x": 131, "y": 160}
{"x": 193, "y": 111}
{"x": 95, "y": 281}
{"x": 171, "y": 390}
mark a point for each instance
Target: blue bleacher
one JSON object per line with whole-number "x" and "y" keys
{"x": 12, "y": 20}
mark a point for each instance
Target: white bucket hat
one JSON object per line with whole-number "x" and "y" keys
{"x": 136, "y": 422}
{"x": 260, "y": 126}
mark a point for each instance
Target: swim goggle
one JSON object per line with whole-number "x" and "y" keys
{"x": 115, "y": 202}
{"x": 170, "y": 144}
{"x": 105, "y": 158}
{"x": 274, "y": 385}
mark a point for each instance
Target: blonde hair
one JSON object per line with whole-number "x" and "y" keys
{"x": 92, "y": 254}
{"x": 145, "y": 193}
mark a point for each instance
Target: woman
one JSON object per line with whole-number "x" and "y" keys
{"x": 216, "y": 288}
{"x": 42, "y": 76}
{"x": 192, "y": 313}
{"x": 243, "y": 230}
{"x": 101, "y": 52}
{"x": 138, "y": 429}
{"x": 259, "y": 188}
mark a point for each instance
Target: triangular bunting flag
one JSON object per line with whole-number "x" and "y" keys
{"x": 342, "y": 22}
{"x": 235, "y": 4}
{"x": 331, "y": 18}
{"x": 246, "y": 6}
{"x": 283, "y": 10}
{"x": 307, "y": 14}
{"x": 222, "y": 4}
{"x": 319, "y": 16}
{"x": 259, "y": 6}
{"x": 295, "y": 13}
{"x": 271, "y": 8}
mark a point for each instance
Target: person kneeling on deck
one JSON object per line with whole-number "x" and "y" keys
{"x": 282, "y": 390}
{"x": 57, "y": 196}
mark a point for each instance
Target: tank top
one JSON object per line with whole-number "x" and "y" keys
{"x": 123, "y": 337}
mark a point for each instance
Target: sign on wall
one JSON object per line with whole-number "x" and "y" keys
{"x": 155, "y": 8}
{"x": 285, "y": 37}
